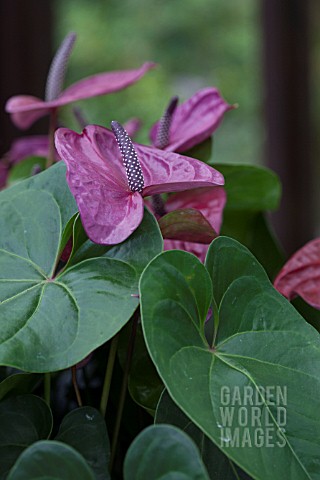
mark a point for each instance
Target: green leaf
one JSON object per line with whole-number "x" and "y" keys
{"x": 250, "y": 187}
{"x": 25, "y": 169}
{"x": 24, "y": 419}
{"x": 163, "y": 452}
{"x": 49, "y": 322}
{"x": 19, "y": 383}
{"x": 264, "y": 363}
{"x": 188, "y": 225}
{"x": 50, "y": 460}
{"x": 84, "y": 429}
{"x": 52, "y": 181}
{"x": 141, "y": 247}
{"x": 218, "y": 465}
{"x": 223, "y": 271}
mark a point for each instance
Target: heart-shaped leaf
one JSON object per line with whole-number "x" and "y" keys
{"x": 163, "y": 452}
{"x": 218, "y": 465}
{"x": 223, "y": 271}
{"x": 53, "y": 181}
{"x": 254, "y": 391}
{"x": 51, "y": 321}
{"x": 188, "y": 225}
{"x": 24, "y": 419}
{"x": 50, "y": 460}
{"x": 84, "y": 429}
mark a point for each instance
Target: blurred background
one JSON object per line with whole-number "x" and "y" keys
{"x": 261, "y": 54}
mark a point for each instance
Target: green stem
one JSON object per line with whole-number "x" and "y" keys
{"x": 108, "y": 375}
{"x": 52, "y": 129}
{"x": 124, "y": 387}
{"x": 47, "y": 387}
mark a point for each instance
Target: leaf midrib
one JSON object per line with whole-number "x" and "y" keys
{"x": 24, "y": 259}
{"x": 245, "y": 372}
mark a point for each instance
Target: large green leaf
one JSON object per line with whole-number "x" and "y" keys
{"x": 51, "y": 321}
{"x": 262, "y": 347}
{"x": 224, "y": 271}
{"x": 84, "y": 429}
{"x": 24, "y": 419}
{"x": 218, "y": 465}
{"x": 250, "y": 187}
{"x": 50, "y": 460}
{"x": 52, "y": 181}
{"x": 163, "y": 452}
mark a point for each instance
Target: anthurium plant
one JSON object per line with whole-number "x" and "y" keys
{"x": 147, "y": 329}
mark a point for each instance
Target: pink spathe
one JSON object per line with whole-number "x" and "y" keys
{"x": 109, "y": 210}
{"x": 26, "y": 109}
{"x": 301, "y": 275}
{"x": 194, "y": 120}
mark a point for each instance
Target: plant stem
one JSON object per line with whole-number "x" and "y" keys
{"x": 47, "y": 387}
{"x": 52, "y": 129}
{"x": 108, "y": 375}
{"x": 124, "y": 387}
{"x": 75, "y": 385}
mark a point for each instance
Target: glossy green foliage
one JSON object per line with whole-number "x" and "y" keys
{"x": 262, "y": 364}
{"x": 163, "y": 452}
{"x": 51, "y": 319}
{"x": 51, "y": 460}
{"x": 24, "y": 419}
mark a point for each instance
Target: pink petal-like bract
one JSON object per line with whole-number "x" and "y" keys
{"x": 194, "y": 120}
{"x": 25, "y": 109}
{"x": 32, "y": 146}
{"x": 210, "y": 202}
{"x": 109, "y": 210}
{"x": 301, "y": 275}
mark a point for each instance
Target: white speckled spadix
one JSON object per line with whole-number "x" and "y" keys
{"x": 129, "y": 158}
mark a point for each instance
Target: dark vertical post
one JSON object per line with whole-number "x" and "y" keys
{"x": 287, "y": 109}
{"x": 25, "y": 54}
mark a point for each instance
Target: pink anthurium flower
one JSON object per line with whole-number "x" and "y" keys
{"x": 301, "y": 275}
{"x": 109, "y": 177}
{"x": 32, "y": 146}
{"x": 186, "y": 125}
{"x": 26, "y": 109}
{"x": 210, "y": 202}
